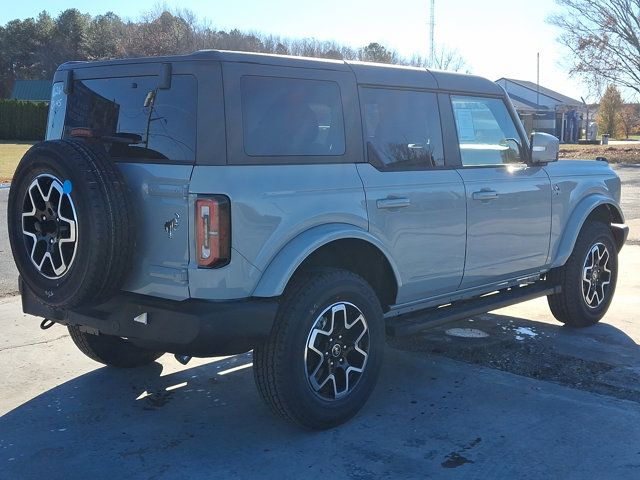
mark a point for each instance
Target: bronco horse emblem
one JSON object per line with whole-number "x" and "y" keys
{"x": 172, "y": 225}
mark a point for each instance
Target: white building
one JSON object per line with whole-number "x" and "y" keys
{"x": 544, "y": 110}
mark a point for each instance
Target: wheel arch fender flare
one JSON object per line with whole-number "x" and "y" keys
{"x": 579, "y": 215}
{"x": 276, "y": 276}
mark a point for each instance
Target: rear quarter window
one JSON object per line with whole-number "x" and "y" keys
{"x": 57, "y": 110}
{"x": 291, "y": 117}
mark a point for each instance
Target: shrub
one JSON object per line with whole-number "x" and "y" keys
{"x": 20, "y": 120}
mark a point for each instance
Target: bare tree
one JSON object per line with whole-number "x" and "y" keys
{"x": 604, "y": 39}
{"x": 445, "y": 58}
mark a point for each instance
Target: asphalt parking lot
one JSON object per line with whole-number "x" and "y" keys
{"x": 510, "y": 394}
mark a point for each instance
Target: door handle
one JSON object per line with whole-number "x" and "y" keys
{"x": 399, "y": 202}
{"x": 485, "y": 195}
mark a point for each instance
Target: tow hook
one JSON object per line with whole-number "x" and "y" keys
{"x": 46, "y": 323}
{"x": 183, "y": 359}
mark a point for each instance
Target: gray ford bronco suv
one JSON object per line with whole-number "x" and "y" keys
{"x": 219, "y": 202}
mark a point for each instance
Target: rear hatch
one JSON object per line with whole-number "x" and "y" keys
{"x": 148, "y": 125}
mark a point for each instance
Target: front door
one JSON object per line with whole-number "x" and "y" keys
{"x": 508, "y": 201}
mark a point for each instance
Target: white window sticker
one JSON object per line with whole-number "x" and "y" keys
{"x": 466, "y": 129}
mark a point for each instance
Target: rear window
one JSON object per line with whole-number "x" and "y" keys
{"x": 134, "y": 118}
{"x": 288, "y": 116}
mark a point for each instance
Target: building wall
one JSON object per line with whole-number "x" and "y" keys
{"x": 561, "y": 120}
{"x": 542, "y": 121}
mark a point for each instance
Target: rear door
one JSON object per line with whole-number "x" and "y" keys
{"x": 148, "y": 126}
{"x": 508, "y": 201}
{"x": 415, "y": 202}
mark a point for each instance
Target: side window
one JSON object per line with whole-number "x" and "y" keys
{"x": 402, "y": 129}
{"x": 486, "y": 132}
{"x": 289, "y": 116}
{"x": 134, "y": 118}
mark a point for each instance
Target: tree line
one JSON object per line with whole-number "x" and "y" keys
{"x": 33, "y": 48}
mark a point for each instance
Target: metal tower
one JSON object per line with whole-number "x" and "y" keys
{"x": 432, "y": 25}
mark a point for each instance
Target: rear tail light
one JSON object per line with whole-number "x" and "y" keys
{"x": 213, "y": 231}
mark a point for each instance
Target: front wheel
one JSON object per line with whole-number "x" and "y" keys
{"x": 322, "y": 358}
{"x": 588, "y": 279}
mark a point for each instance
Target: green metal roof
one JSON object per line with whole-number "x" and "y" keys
{"x": 34, "y": 90}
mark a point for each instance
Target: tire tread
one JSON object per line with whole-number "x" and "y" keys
{"x": 566, "y": 306}
{"x": 269, "y": 357}
{"x": 109, "y": 207}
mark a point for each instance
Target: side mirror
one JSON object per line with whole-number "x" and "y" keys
{"x": 544, "y": 148}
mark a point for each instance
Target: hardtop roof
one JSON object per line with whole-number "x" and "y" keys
{"x": 366, "y": 73}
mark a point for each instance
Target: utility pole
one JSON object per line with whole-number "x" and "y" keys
{"x": 432, "y": 25}
{"x": 586, "y": 125}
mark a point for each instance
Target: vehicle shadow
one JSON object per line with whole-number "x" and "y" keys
{"x": 208, "y": 422}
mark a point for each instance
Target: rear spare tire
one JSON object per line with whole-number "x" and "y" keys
{"x": 70, "y": 223}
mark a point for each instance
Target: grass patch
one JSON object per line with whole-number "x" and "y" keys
{"x": 613, "y": 153}
{"x": 10, "y": 155}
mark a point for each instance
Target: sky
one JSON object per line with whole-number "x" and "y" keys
{"x": 497, "y": 38}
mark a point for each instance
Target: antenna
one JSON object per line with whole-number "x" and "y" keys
{"x": 537, "y": 89}
{"x": 432, "y": 25}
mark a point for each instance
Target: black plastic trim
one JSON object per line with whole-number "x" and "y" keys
{"x": 416, "y": 321}
{"x": 67, "y": 82}
{"x": 193, "y": 327}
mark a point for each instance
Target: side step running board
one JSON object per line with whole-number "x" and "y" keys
{"x": 414, "y": 322}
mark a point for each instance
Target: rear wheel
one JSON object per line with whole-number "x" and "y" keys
{"x": 322, "y": 359}
{"x": 588, "y": 279}
{"x": 112, "y": 351}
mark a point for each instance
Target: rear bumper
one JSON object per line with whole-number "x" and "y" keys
{"x": 190, "y": 327}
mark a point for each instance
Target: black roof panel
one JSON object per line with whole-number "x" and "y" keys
{"x": 365, "y": 73}
{"x": 464, "y": 83}
{"x": 221, "y": 56}
{"x": 392, "y": 75}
